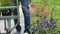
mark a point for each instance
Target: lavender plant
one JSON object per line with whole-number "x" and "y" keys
{"x": 44, "y": 26}
{"x": 45, "y": 21}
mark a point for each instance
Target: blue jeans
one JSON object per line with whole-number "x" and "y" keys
{"x": 26, "y": 13}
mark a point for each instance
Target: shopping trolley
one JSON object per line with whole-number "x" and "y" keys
{"x": 8, "y": 30}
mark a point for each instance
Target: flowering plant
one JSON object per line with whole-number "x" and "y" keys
{"x": 44, "y": 19}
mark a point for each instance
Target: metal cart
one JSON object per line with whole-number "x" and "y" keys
{"x": 8, "y": 31}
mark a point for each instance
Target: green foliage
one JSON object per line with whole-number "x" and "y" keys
{"x": 6, "y": 2}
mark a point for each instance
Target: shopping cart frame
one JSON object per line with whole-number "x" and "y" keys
{"x": 8, "y": 31}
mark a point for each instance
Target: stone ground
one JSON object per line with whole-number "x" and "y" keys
{"x": 12, "y": 23}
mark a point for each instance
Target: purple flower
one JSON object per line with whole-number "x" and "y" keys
{"x": 51, "y": 19}
{"x": 54, "y": 25}
{"x": 44, "y": 17}
{"x": 35, "y": 29}
{"x": 48, "y": 25}
{"x": 45, "y": 21}
{"x": 41, "y": 23}
{"x": 53, "y": 22}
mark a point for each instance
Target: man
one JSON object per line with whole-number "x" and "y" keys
{"x": 25, "y": 3}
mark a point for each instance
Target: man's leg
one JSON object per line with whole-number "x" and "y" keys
{"x": 25, "y": 8}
